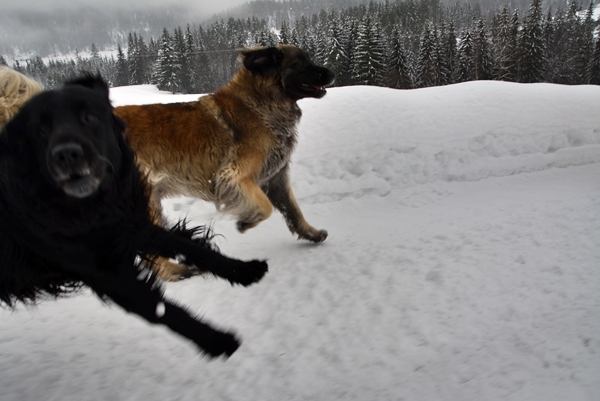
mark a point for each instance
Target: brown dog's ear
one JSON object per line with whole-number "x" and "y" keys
{"x": 91, "y": 81}
{"x": 261, "y": 59}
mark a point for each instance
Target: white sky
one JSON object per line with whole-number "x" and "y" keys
{"x": 208, "y": 6}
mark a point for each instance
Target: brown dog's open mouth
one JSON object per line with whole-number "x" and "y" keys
{"x": 315, "y": 90}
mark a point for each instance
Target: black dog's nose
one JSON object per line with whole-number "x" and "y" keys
{"x": 67, "y": 155}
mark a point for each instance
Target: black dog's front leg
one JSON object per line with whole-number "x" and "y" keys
{"x": 178, "y": 242}
{"x": 145, "y": 299}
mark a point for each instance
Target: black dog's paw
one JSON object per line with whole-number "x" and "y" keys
{"x": 220, "y": 344}
{"x": 246, "y": 273}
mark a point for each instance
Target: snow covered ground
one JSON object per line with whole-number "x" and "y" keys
{"x": 463, "y": 263}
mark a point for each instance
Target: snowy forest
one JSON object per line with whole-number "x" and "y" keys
{"x": 400, "y": 44}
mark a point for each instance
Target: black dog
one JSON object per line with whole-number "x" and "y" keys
{"x": 74, "y": 211}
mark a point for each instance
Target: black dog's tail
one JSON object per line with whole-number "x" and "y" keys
{"x": 24, "y": 279}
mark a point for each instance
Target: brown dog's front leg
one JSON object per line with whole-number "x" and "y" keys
{"x": 279, "y": 191}
{"x": 257, "y": 206}
{"x": 236, "y": 192}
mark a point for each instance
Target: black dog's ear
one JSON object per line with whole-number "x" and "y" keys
{"x": 119, "y": 125}
{"x": 119, "y": 128}
{"x": 3, "y": 142}
{"x": 91, "y": 81}
{"x": 260, "y": 59}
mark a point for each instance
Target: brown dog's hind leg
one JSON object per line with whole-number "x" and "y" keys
{"x": 163, "y": 267}
{"x": 171, "y": 271}
{"x": 279, "y": 191}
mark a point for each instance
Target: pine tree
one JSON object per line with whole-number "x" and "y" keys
{"x": 466, "y": 67}
{"x": 351, "y": 26}
{"x": 337, "y": 58}
{"x": 398, "y": 75}
{"x": 108, "y": 69}
{"x": 153, "y": 48}
{"x": 594, "y": 67}
{"x": 200, "y": 68}
{"x": 322, "y": 39}
{"x": 451, "y": 52}
{"x": 558, "y": 47}
{"x": 37, "y": 69}
{"x": 266, "y": 38}
{"x": 191, "y": 59}
{"x": 549, "y": 28}
{"x": 284, "y": 33}
{"x": 302, "y": 35}
{"x": 132, "y": 57}
{"x": 122, "y": 78}
{"x": 586, "y": 45}
{"x": 447, "y": 53}
{"x": 180, "y": 61}
{"x": 484, "y": 64}
{"x": 369, "y": 67}
{"x": 506, "y": 46}
{"x": 3, "y": 61}
{"x": 428, "y": 66}
{"x": 531, "y": 46}
{"x": 164, "y": 76}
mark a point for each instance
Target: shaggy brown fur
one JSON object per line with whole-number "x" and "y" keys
{"x": 15, "y": 90}
{"x": 232, "y": 147}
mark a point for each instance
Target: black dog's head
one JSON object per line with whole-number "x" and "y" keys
{"x": 293, "y": 68}
{"x": 69, "y": 136}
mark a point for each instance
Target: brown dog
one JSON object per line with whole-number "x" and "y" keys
{"x": 232, "y": 147}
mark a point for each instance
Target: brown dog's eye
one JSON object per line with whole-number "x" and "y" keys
{"x": 88, "y": 118}
{"x": 44, "y": 130}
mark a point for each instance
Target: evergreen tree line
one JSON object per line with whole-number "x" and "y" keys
{"x": 401, "y": 44}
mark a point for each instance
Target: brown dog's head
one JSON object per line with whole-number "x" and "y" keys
{"x": 292, "y": 67}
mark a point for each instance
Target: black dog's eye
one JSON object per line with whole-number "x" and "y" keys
{"x": 88, "y": 118}
{"x": 44, "y": 130}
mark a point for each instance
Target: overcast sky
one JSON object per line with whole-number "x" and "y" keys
{"x": 209, "y": 6}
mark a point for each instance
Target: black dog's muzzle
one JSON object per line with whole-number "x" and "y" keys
{"x": 74, "y": 167}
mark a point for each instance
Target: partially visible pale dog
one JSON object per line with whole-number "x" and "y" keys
{"x": 15, "y": 90}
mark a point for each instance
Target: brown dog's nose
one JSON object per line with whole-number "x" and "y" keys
{"x": 330, "y": 75}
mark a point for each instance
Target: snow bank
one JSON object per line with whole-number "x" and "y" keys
{"x": 462, "y": 264}
{"x": 373, "y": 140}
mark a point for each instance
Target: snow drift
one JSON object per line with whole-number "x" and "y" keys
{"x": 462, "y": 264}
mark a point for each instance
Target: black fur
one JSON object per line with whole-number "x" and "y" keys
{"x": 74, "y": 211}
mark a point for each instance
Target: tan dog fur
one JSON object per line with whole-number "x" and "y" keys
{"x": 15, "y": 90}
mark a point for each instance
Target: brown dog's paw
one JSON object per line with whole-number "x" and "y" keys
{"x": 243, "y": 226}
{"x": 315, "y": 236}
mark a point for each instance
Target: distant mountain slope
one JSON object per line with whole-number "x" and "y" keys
{"x": 63, "y": 30}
